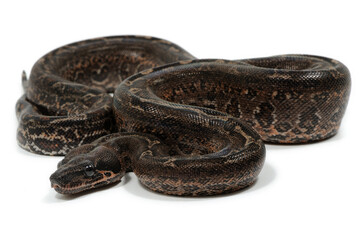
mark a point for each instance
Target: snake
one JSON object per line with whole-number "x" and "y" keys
{"x": 184, "y": 126}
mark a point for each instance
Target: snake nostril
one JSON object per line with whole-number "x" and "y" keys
{"x": 54, "y": 180}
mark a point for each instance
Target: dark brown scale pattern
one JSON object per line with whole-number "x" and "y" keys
{"x": 185, "y": 126}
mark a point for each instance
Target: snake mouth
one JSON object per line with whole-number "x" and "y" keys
{"x": 65, "y": 187}
{"x": 70, "y": 190}
{"x": 57, "y": 188}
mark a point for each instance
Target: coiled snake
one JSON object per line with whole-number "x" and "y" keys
{"x": 184, "y": 126}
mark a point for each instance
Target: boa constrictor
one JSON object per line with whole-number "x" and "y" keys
{"x": 184, "y": 126}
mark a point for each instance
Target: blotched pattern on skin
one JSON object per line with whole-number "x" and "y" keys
{"x": 187, "y": 126}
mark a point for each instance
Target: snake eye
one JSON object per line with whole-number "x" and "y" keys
{"x": 89, "y": 170}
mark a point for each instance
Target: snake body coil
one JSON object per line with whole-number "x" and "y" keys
{"x": 184, "y": 126}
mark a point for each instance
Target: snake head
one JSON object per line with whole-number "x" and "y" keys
{"x": 84, "y": 171}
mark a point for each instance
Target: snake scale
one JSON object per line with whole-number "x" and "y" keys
{"x": 184, "y": 126}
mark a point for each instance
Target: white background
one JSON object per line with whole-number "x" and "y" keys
{"x": 304, "y": 192}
